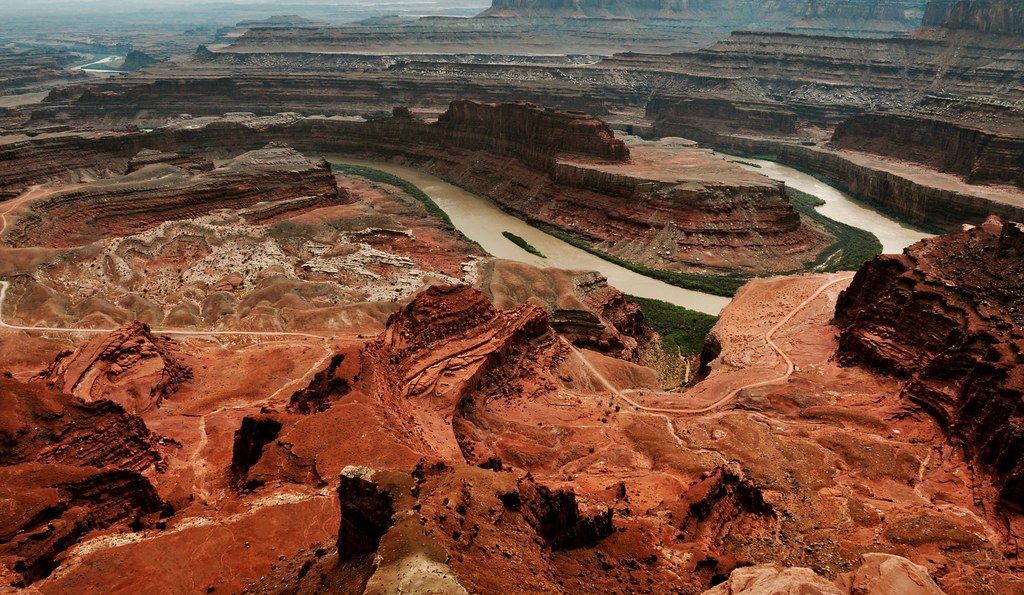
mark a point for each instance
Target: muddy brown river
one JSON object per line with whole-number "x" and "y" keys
{"x": 483, "y": 222}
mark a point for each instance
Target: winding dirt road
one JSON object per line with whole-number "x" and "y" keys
{"x": 768, "y": 337}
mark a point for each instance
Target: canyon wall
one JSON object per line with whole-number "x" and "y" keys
{"x": 497, "y": 151}
{"x": 945, "y": 316}
{"x": 529, "y": 132}
{"x": 1000, "y": 17}
{"x": 888, "y": 14}
{"x": 976, "y": 154}
{"x": 936, "y": 12}
{"x": 68, "y": 468}
{"x": 917, "y": 202}
{"x": 783, "y": 83}
{"x": 156, "y": 193}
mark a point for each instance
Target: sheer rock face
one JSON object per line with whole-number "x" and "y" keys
{"x": 530, "y": 132}
{"x": 976, "y": 154}
{"x": 129, "y": 366}
{"x": 1002, "y": 17}
{"x": 947, "y": 316}
{"x": 68, "y": 468}
{"x": 268, "y": 182}
{"x": 557, "y": 517}
{"x": 41, "y": 425}
{"x": 259, "y": 457}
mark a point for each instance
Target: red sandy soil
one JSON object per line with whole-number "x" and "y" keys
{"x": 841, "y": 466}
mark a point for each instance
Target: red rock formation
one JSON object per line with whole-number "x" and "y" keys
{"x": 608, "y": 322}
{"x": 129, "y": 366}
{"x": 40, "y": 425}
{"x": 439, "y": 354}
{"x": 1001, "y": 17}
{"x": 331, "y": 383}
{"x": 721, "y": 503}
{"x": 423, "y": 528}
{"x": 258, "y": 457}
{"x": 556, "y": 516}
{"x": 879, "y": 574}
{"x": 67, "y": 468}
{"x": 436, "y": 352}
{"x": 191, "y": 163}
{"x": 145, "y": 198}
{"x": 529, "y": 132}
{"x": 946, "y": 316}
{"x": 979, "y": 154}
{"x": 52, "y": 507}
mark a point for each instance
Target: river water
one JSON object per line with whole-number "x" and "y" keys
{"x": 483, "y": 222}
{"x": 894, "y": 235}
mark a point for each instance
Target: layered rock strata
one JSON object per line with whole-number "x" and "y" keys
{"x": 580, "y": 179}
{"x": 915, "y": 197}
{"x": 130, "y": 366}
{"x": 856, "y": 16}
{"x": 145, "y": 198}
{"x": 998, "y": 17}
{"x": 68, "y": 468}
{"x": 976, "y": 153}
{"x": 946, "y": 316}
{"x": 440, "y": 349}
{"x": 529, "y": 132}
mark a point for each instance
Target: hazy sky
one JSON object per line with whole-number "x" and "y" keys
{"x": 225, "y": 11}
{"x": 114, "y": 7}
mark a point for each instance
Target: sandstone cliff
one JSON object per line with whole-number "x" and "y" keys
{"x": 145, "y": 198}
{"x": 129, "y": 366}
{"x": 529, "y": 132}
{"x": 946, "y": 316}
{"x": 1001, "y": 17}
{"x": 979, "y": 154}
{"x": 446, "y": 345}
{"x": 68, "y": 468}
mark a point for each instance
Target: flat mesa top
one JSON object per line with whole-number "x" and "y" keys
{"x": 1002, "y": 193}
{"x": 679, "y": 165}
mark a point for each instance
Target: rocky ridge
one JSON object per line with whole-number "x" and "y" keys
{"x": 946, "y": 318}
{"x": 270, "y": 181}
{"x": 68, "y": 468}
{"x": 129, "y": 366}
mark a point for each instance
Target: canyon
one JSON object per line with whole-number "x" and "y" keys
{"x": 563, "y": 169}
{"x": 612, "y": 296}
